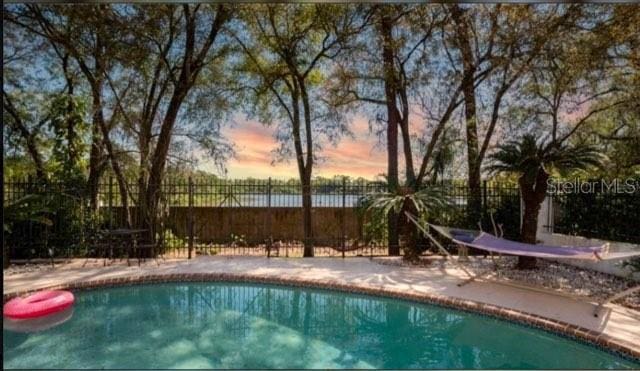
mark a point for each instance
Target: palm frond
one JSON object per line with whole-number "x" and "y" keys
{"x": 424, "y": 200}
{"x": 526, "y": 157}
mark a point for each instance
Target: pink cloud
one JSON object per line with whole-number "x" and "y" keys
{"x": 255, "y": 144}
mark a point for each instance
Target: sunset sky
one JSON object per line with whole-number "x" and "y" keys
{"x": 357, "y": 157}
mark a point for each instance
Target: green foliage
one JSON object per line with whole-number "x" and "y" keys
{"x": 285, "y": 50}
{"x": 617, "y": 133}
{"x": 526, "y": 157}
{"x": 69, "y": 129}
{"x": 17, "y": 167}
{"x": 68, "y": 225}
{"x": 374, "y": 222}
{"x": 423, "y": 202}
{"x": 502, "y": 201}
{"x": 171, "y": 241}
{"x": 444, "y": 156}
{"x": 48, "y": 221}
{"x": 30, "y": 208}
{"x": 586, "y": 61}
{"x": 74, "y": 225}
{"x": 238, "y": 240}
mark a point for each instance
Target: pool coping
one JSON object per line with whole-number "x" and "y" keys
{"x": 598, "y": 339}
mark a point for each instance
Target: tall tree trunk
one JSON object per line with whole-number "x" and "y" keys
{"x": 306, "y": 191}
{"x": 530, "y": 222}
{"x": 474, "y": 206}
{"x": 73, "y": 155}
{"x": 158, "y": 162}
{"x": 142, "y": 211}
{"x": 468, "y": 90}
{"x": 144, "y": 146}
{"x": 393, "y": 238}
{"x": 117, "y": 170}
{"x": 408, "y": 155}
{"x": 409, "y": 230}
{"x": 307, "y": 216}
{"x": 392, "y": 128}
{"x": 96, "y": 162}
{"x": 36, "y": 158}
{"x": 533, "y": 194}
{"x": 403, "y": 121}
{"x": 191, "y": 65}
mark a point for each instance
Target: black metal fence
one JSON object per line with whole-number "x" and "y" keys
{"x": 59, "y": 222}
{"x": 264, "y": 216}
{"x": 608, "y": 210}
{"x": 238, "y": 217}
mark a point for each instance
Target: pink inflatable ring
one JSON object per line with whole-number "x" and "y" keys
{"x": 39, "y": 304}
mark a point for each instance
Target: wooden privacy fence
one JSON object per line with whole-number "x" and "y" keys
{"x": 237, "y": 230}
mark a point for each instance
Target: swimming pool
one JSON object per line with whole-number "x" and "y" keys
{"x": 237, "y": 325}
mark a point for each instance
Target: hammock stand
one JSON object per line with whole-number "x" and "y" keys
{"x": 501, "y": 246}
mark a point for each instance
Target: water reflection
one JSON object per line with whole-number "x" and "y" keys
{"x": 37, "y": 324}
{"x": 204, "y": 325}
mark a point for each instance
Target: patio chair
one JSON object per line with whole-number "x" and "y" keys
{"x": 146, "y": 247}
{"x": 97, "y": 246}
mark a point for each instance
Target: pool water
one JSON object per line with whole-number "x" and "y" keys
{"x": 234, "y": 325}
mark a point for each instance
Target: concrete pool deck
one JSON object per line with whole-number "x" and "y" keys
{"x": 617, "y": 328}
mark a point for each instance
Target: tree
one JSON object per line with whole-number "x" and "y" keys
{"x": 16, "y": 121}
{"x": 178, "y": 49}
{"x": 405, "y": 200}
{"x": 568, "y": 87}
{"x": 66, "y": 119}
{"x": 284, "y": 48}
{"x": 178, "y": 39}
{"x": 386, "y": 80}
{"x": 391, "y": 87}
{"x": 24, "y": 113}
{"x": 496, "y": 47}
{"x": 76, "y": 33}
{"x": 188, "y": 22}
{"x": 615, "y": 41}
{"x": 617, "y": 134}
{"x": 45, "y": 112}
{"x": 534, "y": 163}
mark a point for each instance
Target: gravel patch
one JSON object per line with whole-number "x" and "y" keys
{"x": 549, "y": 274}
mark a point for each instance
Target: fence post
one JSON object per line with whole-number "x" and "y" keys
{"x": 344, "y": 199}
{"x": 190, "y": 217}
{"x": 270, "y": 231}
{"x": 30, "y": 187}
{"x": 484, "y": 199}
{"x": 110, "y": 202}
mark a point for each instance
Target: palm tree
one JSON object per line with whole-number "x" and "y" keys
{"x": 533, "y": 163}
{"x": 418, "y": 203}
